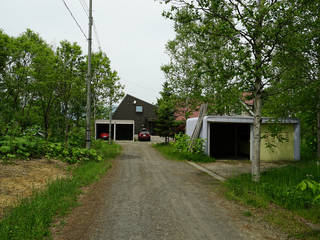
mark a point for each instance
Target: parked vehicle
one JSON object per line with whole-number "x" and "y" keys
{"x": 144, "y": 135}
{"x": 104, "y": 136}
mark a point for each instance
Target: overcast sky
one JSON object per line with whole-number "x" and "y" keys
{"x": 132, "y": 33}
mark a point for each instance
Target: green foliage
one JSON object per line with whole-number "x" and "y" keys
{"x": 182, "y": 144}
{"x": 24, "y": 147}
{"x": 169, "y": 151}
{"x": 312, "y": 188}
{"x": 33, "y": 217}
{"x": 45, "y": 87}
{"x": 27, "y": 145}
{"x": 166, "y": 124}
{"x": 71, "y": 155}
{"x": 77, "y": 137}
{"x": 269, "y": 49}
{"x": 287, "y": 187}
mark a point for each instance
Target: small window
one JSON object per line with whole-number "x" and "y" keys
{"x": 139, "y": 109}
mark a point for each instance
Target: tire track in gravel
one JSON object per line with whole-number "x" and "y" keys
{"x": 145, "y": 196}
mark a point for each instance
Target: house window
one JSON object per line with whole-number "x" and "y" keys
{"x": 139, "y": 109}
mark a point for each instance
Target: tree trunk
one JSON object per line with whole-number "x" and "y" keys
{"x": 66, "y": 124}
{"x": 256, "y": 138}
{"x": 257, "y": 99}
{"x": 46, "y": 126}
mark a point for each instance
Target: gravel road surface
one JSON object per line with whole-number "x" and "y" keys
{"x": 148, "y": 197}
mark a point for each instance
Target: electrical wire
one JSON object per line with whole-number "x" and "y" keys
{"x": 97, "y": 36}
{"x": 85, "y": 4}
{"x": 86, "y": 10}
{"x": 65, "y": 4}
{"x": 84, "y": 7}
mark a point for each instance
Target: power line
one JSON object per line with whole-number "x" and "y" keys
{"x": 74, "y": 19}
{"x": 84, "y": 7}
{"x": 96, "y": 33}
{"x": 85, "y": 4}
{"x": 86, "y": 10}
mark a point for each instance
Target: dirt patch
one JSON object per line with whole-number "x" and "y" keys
{"x": 20, "y": 178}
{"x": 232, "y": 168}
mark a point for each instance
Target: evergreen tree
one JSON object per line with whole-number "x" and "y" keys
{"x": 166, "y": 123}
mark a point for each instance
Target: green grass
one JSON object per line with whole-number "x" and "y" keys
{"x": 32, "y": 218}
{"x": 279, "y": 187}
{"x": 168, "y": 151}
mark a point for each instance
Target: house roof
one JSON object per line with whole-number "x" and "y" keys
{"x": 134, "y": 98}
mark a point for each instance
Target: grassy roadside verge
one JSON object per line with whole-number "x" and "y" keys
{"x": 32, "y": 218}
{"x": 277, "y": 198}
{"x": 168, "y": 152}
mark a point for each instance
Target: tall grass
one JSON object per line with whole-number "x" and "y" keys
{"x": 279, "y": 186}
{"x": 32, "y": 218}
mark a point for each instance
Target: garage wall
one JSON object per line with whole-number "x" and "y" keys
{"x": 121, "y": 129}
{"x": 283, "y": 151}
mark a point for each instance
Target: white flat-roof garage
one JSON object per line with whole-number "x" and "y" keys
{"x": 120, "y": 129}
{"x": 231, "y": 137}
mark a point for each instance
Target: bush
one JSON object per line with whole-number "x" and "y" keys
{"x": 179, "y": 149}
{"x": 71, "y": 155}
{"x": 29, "y": 146}
{"x": 182, "y": 144}
{"x": 77, "y": 137}
{"x": 24, "y": 147}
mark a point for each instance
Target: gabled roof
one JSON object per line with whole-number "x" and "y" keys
{"x": 135, "y": 98}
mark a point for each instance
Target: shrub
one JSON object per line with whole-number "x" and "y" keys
{"x": 182, "y": 144}
{"x": 28, "y": 146}
{"x": 311, "y": 189}
{"x": 71, "y": 155}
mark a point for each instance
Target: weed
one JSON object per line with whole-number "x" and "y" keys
{"x": 285, "y": 187}
{"x": 32, "y": 218}
{"x": 247, "y": 213}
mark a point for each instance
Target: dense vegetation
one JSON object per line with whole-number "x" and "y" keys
{"x": 43, "y": 87}
{"x": 33, "y": 217}
{"x": 226, "y": 53}
{"x": 42, "y": 114}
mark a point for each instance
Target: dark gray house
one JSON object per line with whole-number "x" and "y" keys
{"x": 143, "y": 113}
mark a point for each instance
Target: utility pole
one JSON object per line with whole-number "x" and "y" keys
{"x": 88, "y": 116}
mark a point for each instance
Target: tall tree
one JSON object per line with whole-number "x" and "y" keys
{"x": 165, "y": 125}
{"x": 248, "y": 33}
{"x": 70, "y": 81}
{"x": 298, "y": 66}
{"x": 106, "y": 87}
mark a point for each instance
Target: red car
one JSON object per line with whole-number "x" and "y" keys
{"x": 144, "y": 135}
{"x": 104, "y": 136}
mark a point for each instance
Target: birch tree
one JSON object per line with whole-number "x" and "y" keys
{"x": 252, "y": 31}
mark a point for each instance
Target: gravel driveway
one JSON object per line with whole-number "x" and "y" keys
{"x": 145, "y": 196}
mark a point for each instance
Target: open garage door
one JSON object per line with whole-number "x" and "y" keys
{"x": 104, "y": 128}
{"x": 124, "y": 132}
{"x": 230, "y": 140}
{"x": 120, "y": 129}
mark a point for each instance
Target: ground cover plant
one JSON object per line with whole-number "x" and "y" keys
{"x": 32, "y": 218}
{"x": 180, "y": 149}
{"x": 294, "y": 187}
{"x": 27, "y": 147}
